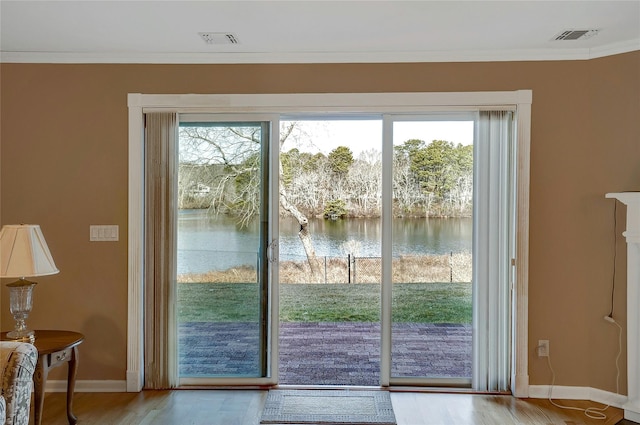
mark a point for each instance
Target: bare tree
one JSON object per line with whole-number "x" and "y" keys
{"x": 228, "y": 159}
{"x": 365, "y": 184}
{"x": 406, "y": 191}
{"x": 303, "y": 221}
{"x": 235, "y": 188}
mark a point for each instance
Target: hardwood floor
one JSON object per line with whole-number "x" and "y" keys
{"x": 243, "y": 407}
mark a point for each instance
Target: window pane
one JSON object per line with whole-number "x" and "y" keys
{"x": 220, "y": 284}
{"x": 432, "y": 239}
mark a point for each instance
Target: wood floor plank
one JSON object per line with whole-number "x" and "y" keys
{"x": 243, "y": 407}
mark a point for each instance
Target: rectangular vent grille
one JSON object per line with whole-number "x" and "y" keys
{"x": 218, "y": 38}
{"x": 575, "y": 35}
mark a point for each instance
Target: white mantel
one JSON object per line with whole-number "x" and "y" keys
{"x": 632, "y": 235}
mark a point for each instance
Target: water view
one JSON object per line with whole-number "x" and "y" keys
{"x": 216, "y": 242}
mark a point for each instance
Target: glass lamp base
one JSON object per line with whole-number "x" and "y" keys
{"x": 20, "y": 334}
{"x": 21, "y": 301}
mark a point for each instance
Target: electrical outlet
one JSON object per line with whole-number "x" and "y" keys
{"x": 543, "y": 348}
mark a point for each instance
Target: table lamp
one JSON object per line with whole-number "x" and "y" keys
{"x": 23, "y": 253}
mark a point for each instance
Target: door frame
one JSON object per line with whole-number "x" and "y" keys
{"x": 269, "y": 351}
{"x": 139, "y": 104}
{"x": 387, "y": 251}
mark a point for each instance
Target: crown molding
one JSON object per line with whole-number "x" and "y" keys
{"x": 615, "y": 49}
{"x": 551, "y": 54}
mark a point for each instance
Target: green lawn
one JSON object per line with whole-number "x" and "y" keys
{"x": 217, "y": 302}
{"x": 412, "y": 302}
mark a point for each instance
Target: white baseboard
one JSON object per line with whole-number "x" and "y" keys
{"x": 578, "y": 393}
{"x": 87, "y": 386}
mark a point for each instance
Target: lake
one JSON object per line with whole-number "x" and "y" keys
{"x": 216, "y": 242}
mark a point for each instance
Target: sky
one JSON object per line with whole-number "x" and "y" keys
{"x": 359, "y": 135}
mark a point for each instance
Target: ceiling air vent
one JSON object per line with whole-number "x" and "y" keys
{"x": 218, "y": 37}
{"x": 575, "y": 35}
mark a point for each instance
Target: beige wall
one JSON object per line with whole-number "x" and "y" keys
{"x": 64, "y": 166}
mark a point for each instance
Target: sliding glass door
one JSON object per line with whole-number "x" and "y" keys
{"x": 390, "y": 248}
{"x": 431, "y": 261}
{"x": 450, "y": 293}
{"x": 223, "y": 259}
{"x": 333, "y": 232}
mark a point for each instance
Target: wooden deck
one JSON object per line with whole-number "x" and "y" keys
{"x": 344, "y": 353}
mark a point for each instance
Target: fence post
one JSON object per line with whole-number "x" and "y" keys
{"x": 349, "y": 267}
{"x": 325, "y": 269}
{"x": 451, "y": 267}
{"x": 354, "y": 269}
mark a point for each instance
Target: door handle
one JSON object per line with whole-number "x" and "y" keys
{"x": 271, "y": 252}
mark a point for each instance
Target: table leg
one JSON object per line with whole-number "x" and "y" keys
{"x": 39, "y": 381}
{"x": 71, "y": 384}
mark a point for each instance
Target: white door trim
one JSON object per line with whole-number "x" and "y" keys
{"x": 519, "y": 100}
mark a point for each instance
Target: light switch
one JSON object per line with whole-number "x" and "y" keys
{"x": 101, "y": 233}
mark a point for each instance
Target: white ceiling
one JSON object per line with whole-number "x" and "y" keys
{"x": 312, "y": 31}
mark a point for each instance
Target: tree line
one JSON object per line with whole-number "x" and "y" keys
{"x": 220, "y": 170}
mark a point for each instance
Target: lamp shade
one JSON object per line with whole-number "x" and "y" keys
{"x": 24, "y": 252}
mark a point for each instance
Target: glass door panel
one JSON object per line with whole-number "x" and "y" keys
{"x": 222, "y": 239}
{"x": 431, "y": 263}
{"x": 330, "y": 252}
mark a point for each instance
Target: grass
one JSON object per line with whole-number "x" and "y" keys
{"x": 432, "y": 302}
{"x": 329, "y": 303}
{"x": 412, "y": 302}
{"x": 218, "y": 302}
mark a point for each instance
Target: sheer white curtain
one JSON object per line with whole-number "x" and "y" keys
{"x": 160, "y": 352}
{"x": 493, "y": 249}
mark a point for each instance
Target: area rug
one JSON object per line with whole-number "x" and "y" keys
{"x": 328, "y": 407}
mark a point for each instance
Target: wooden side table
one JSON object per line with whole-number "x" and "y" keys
{"x": 54, "y": 349}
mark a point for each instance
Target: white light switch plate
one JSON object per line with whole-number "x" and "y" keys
{"x": 104, "y": 232}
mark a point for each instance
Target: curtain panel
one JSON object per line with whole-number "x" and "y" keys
{"x": 493, "y": 250}
{"x": 161, "y": 147}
